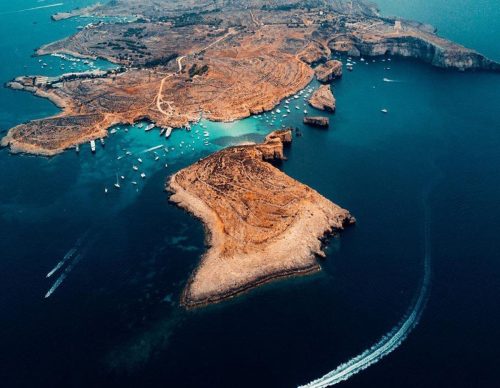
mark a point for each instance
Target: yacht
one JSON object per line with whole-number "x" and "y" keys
{"x": 149, "y": 127}
{"x": 384, "y": 110}
{"x": 143, "y": 175}
{"x": 92, "y": 145}
{"x": 135, "y": 168}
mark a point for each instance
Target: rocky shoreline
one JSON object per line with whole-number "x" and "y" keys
{"x": 261, "y": 225}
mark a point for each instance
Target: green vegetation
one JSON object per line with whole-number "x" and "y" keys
{"x": 163, "y": 61}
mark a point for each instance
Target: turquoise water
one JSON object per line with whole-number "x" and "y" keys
{"x": 114, "y": 321}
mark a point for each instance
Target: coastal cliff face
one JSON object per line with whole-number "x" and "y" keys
{"x": 428, "y": 52}
{"x": 327, "y": 72}
{"x": 261, "y": 224}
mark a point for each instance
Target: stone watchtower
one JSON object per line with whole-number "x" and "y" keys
{"x": 397, "y": 26}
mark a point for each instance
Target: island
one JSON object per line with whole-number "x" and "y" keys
{"x": 218, "y": 59}
{"x": 317, "y": 121}
{"x": 323, "y": 99}
{"x": 261, "y": 224}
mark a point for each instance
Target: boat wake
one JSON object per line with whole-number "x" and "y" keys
{"x": 391, "y": 341}
{"x": 63, "y": 276}
{"x": 391, "y": 80}
{"x": 58, "y": 266}
{"x": 67, "y": 257}
{"x": 33, "y": 8}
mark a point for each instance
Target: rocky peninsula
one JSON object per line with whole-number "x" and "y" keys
{"x": 224, "y": 59}
{"x": 261, "y": 224}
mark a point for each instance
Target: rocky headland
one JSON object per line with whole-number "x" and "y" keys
{"x": 261, "y": 224}
{"x": 328, "y": 71}
{"x": 223, "y": 59}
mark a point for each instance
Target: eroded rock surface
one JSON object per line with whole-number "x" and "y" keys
{"x": 317, "y": 121}
{"x": 323, "y": 99}
{"x": 328, "y": 71}
{"x": 261, "y": 224}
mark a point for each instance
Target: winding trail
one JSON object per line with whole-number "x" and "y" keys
{"x": 159, "y": 95}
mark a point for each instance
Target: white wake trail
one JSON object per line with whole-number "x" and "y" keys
{"x": 391, "y": 80}
{"x": 63, "y": 276}
{"x": 391, "y": 340}
{"x": 32, "y": 9}
{"x": 66, "y": 257}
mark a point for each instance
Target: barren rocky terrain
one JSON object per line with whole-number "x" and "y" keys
{"x": 261, "y": 224}
{"x": 225, "y": 59}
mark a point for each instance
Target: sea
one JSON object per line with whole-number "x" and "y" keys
{"x": 90, "y": 281}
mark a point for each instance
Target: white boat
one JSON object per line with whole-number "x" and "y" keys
{"x": 206, "y": 134}
{"x": 305, "y": 111}
{"x": 139, "y": 160}
{"x": 135, "y": 168}
{"x": 134, "y": 182}
{"x": 157, "y": 158}
{"x": 113, "y": 131}
{"x": 105, "y": 190}
{"x": 92, "y": 145}
{"x": 77, "y": 148}
{"x": 122, "y": 177}
{"x": 384, "y": 110}
{"x": 162, "y": 131}
{"x": 143, "y": 175}
{"x": 149, "y": 127}
{"x": 278, "y": 111}
{"x": 102, "y": 142}
{"x": 168, "y": 132}
{"x": 117, "y": 184}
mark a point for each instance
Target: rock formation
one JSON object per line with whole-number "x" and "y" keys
{"x": 317, "y": 121}
{"x": 328, "y": 71}
{"x": 261, "y": 224}
{"x": 323, "y": 99}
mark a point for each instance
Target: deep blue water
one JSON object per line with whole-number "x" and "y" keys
{"x": 114, "y": 319}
